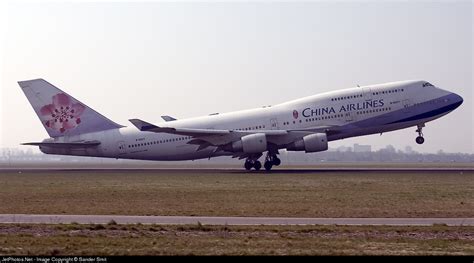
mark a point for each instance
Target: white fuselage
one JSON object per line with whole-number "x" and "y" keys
{"x": 355, "y": 111}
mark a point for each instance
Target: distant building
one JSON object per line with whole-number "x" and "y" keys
{"x": 362, "y": 148}
{"x": 344, "y": 149}
{"x": 390, "y": 149}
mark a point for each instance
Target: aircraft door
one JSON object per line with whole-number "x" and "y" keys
{"x": 367, "y": 93}
{"x": 121, "y": 147}
{"x": 406, "y": 106}
{"x": 349, "y": 116}
{"x": 274, "y": 124}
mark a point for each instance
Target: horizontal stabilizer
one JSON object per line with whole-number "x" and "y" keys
{"x": 80, "y": 144}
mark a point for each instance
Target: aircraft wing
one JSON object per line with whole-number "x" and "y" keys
{"x": 168, "y": 118}
{"x": 79, "y": 144}
{"x": 329, "y": 129}
{"x": 215, "y": 137}
{"x": 145, "y": 126}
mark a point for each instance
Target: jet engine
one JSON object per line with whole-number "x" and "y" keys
{"x": 252, "y": 143}
{"x": 310, "y": 143}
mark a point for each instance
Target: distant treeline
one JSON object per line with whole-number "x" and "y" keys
{"x": 388, "y": 154}
{"x": 377, "y": 157}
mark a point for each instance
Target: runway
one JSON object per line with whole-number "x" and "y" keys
{"x": 217, "y": 170}
{"x": 180, "y": 220}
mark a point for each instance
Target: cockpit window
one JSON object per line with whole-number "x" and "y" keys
{"x": 427, "y": 84}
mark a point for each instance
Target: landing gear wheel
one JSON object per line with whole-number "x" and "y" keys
{"x": 420, "y": 140}
{"x": 268, "y": 165}
{"x": 276, "y": 161}
{"x": 271, "y": 159}
{"x": 248, "y": 165}
{"x": 257, "y": 165}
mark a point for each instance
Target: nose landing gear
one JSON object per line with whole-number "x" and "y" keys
{"x": 420, "y": 139}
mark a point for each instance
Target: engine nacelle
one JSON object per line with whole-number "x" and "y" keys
{"x": 310, "y": 143}
{"x": 253, "y": 143}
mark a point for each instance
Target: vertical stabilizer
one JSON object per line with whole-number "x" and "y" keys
{"x": 60, "y": 113}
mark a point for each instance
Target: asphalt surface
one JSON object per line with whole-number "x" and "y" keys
{"x": 178, "y": 220}
{"x": 295, "y": 170}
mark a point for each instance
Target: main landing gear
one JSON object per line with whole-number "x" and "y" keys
{"x": 270, "y": 161}
{"x": 420, "y": 139}
{"x": 249, "y": 163}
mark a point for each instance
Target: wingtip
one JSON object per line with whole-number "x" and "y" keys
{"x": 142, "y": 125}
{"x": 136, "y": 123}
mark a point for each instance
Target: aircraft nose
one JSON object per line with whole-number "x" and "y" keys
{"x": 458, "y": 99}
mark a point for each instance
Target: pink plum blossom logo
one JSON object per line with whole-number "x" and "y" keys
{"x": 62, "y": 114}
{"x": 295, "y": 114}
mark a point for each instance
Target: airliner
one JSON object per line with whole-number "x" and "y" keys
{"x": 305, "y": 124}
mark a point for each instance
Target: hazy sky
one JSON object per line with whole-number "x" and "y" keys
{"x": 142, "y": 60}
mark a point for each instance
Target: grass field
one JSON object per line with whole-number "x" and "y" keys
{"x": 233, "y": 240}
{"x": 236, "y": 193}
